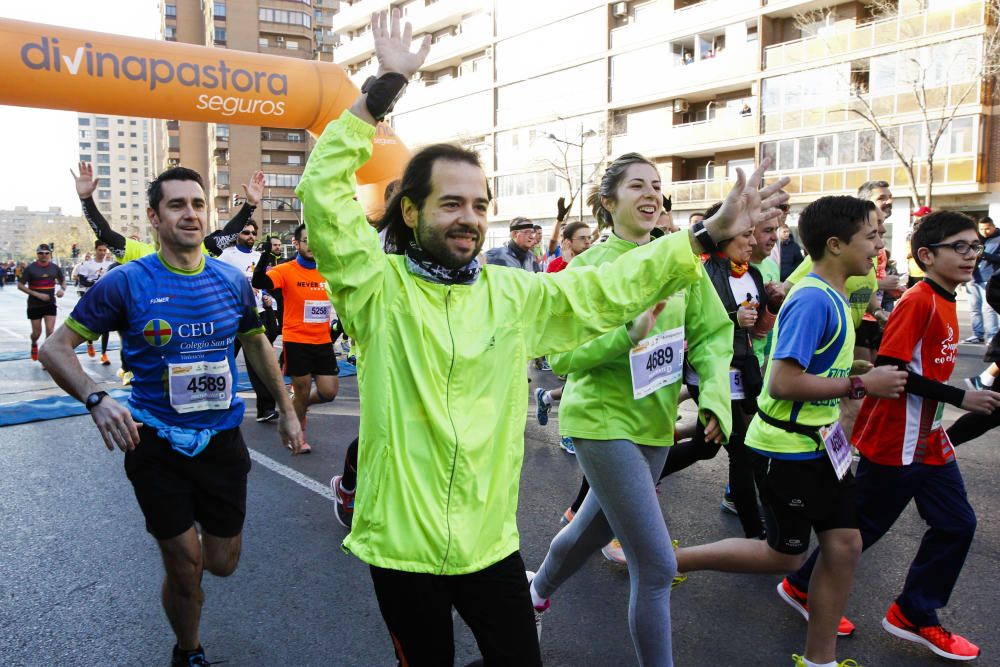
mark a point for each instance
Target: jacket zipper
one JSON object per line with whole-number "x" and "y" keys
{"x": 454, "y": 460}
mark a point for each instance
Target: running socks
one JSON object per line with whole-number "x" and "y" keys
{"x": 986, "y": 378}
{"x": 537, "y": 601}
{"x": 547, "y": 397}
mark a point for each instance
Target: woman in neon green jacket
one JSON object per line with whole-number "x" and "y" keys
{"x": 620, "y": 404}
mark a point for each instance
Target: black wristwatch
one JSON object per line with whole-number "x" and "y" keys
{"x": 383, "y": 92}
{"x": 704, "y": 238}
{"x": 858, "y": 390}
{"x": 95, "y": 399}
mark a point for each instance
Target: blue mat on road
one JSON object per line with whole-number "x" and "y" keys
{"x": 21, "y": 354}
{"x": 57, "y": 407}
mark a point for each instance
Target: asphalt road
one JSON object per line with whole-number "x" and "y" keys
{"x": 79, "y": 576}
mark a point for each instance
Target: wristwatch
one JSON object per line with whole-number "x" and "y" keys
{"x": 857, "y": 388}
{"x": 383, "y": 92}
{"x": 95, "y": 399}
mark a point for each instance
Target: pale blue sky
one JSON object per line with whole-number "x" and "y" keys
{"x": 40, "y": 146}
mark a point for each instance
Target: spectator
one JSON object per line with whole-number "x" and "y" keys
{"x": 984, "y": 318}
{"x": 791, "y": 253}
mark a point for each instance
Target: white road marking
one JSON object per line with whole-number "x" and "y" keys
{"x": 292, "y": 474}
{"x": 13, "y": 333}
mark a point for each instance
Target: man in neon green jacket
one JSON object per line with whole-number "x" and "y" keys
{"x": 442, "y": 383}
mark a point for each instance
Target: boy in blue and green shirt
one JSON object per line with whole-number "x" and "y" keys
{"x": 801, "y": 456}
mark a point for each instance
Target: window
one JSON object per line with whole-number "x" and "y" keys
{"x": 170, "y": 10}
{"x": 291, "y": 45}
{"x": 220, "y": 35}
{"x": 104, "y": 194}
{"x": 866, "y": 146}
{"x": 807, "y": 152}
{"x": 102, "y": 122}
{"x": 961, "y": 136}
{"x": 170, "y": 33}
{"x": 85, "y": 134}
{"x": 122, "y": 205}
{"x": 282, "y": 180}
{"x": 120, "y": 121}
{"x": 219, "y": 10}
{"x": 83, "y": 121}
{"x": 262, "y": 42}
{"x": 222, "y": 132}
{"x": 294, "y": 137}
{"x": 102, "y": 134}
{"x": 84, "y": 145}
{"x": 134, "y": 170}
{"x": 103, "y": 146}
{"x": 845, "y": 148}
{"x": 103, "y": 159}
{"x": 104, "y": 171}
{"x": 122, "y": 146}
{"x": 294, "y": 159}
{"x": 123, "y": 193}
{"x": 86, "y": 157}
{"x": 265, "y": 158}
{"x": 132, "y": 134}
{"x": 131, "y": 122}
{"x": 223, "y": 178}
{"x": 283, "y": 16}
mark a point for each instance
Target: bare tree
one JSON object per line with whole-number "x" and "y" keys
{"x": 923, "y": 76}
{"x": 570, "y": 175}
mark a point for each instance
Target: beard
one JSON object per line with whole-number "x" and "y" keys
{"x": 434, "y": 241}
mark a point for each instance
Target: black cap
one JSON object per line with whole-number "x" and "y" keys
{"x": 520, "y": 223}
{"x": 43, "y": 247}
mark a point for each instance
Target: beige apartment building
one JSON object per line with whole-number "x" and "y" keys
{"x": 545, "y": 91}
{"x": 227, "y": 155}
{"x": 122, "y": 151}
{"x": 21, "y": 230}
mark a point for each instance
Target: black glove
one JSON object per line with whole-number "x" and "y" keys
{"x": 667, "y": 204}
{"x": 563, "y": 209}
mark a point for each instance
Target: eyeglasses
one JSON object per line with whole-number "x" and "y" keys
{"x": 961, "y": 247}
{"x": 41, "y": 252}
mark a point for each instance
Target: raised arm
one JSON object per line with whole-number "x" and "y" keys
{"x": 221, "y": 239}
{"x": 86, "y": 183}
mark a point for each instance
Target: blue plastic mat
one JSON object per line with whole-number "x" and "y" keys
{"x": 22, "y": 354}
{"x": 57, "y": 407}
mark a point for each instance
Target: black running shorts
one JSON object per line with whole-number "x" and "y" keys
{"x": 801, "y": 496}
{"x": 868, "y": 335}
{"x": 175, "y": 490}
{"x": 42, "y": 310}
{"x": 310, "y": 359}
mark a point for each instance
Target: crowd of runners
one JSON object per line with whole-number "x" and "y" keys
{"x": 825, "y": 384}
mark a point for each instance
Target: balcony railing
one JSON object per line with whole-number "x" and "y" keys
{"x": 659, "y": 18}
{"x": 720, "y": 132}
{"x": 633, "y": 82}
{"x": 354, "y": 16}
{"x": 883, "y": 105}
{"x": 354, "y": 50}
{"x": 420, "y": 95}
{"x": 957, "y": 15}
{"x": 475, "y": 36}
{"x": 959, "y": 170}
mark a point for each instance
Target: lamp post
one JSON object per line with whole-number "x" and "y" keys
{"x": 584, "y": 135}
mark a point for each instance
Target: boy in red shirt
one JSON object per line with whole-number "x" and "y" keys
{"x": 905, "y": 452}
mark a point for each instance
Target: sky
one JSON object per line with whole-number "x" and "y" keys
{"x": 39, "y": 146}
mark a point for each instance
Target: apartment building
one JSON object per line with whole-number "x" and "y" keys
{"x": 21, "y": 230}
{"x": 227, "y": 155}
{"x": 546, "y": 91}
{"x": 122, "y": 151}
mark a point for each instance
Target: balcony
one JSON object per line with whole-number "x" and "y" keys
{"x": 439, "y": 15}
{"x": 357, "y": 49}
{"x": 657, "y": 20}
{"x": 475, "y": 36}
{"x": 883, "y": 105}
{"x": 352, "y": 17}
{"x": 631, "y": 83}
{"x": 420, "y": 95}
{"x": 727, "y": 131}
{"x": 959, "y": 14}
{"x": 952, "y": 175}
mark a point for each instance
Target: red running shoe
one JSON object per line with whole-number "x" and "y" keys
{"x": 799, "y": 601}
{"x": 936, "y": 638}
{"x": 34, "y": 351}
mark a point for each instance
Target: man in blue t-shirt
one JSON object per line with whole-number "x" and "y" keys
{"x": 179, "y": 314}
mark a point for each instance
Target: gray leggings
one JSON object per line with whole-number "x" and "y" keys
{"x": 622, "y": 503}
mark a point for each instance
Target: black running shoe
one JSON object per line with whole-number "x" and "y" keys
{"x": 267, "y": 416}
{"x": 195, "y": 658}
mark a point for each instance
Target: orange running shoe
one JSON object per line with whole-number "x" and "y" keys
{"x": 799, "y": 601}
{"x": 936, "y": 638}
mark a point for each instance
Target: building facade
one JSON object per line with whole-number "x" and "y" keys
{"x": 21, "y": 230}
{"x": 227, "y": 155}
{"x": 122, "y": 151}
{"x": 546, "y": 92}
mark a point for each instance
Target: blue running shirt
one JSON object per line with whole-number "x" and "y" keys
{"x": 180, "y": 324}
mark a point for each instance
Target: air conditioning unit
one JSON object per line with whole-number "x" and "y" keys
{"x": 681, "y": 106}
{"x": 619, "y": 10}
{"x": 279, "y": 39}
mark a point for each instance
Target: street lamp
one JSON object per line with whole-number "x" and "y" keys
{"x": 584, "y": 135}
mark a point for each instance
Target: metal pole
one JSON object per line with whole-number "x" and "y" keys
{"x": 581, "y": 177}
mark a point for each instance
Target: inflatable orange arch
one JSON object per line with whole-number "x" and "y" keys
{"x": 62, "y": 68}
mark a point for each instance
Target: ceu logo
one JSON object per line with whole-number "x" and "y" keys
{"x": 157, "y": 332}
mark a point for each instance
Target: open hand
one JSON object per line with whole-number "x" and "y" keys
{"x": 254, "y": 191}
{"x": 981, "y": 402}
{"x": 562, "y": 209}
{"x": 746, "y": 206}
{"x": 115, "y": 424}
{"x": 392, "y": 48}
{"x": 85, "y": 181}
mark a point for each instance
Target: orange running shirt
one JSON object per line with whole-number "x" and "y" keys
{"x": 307, "y": 313}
